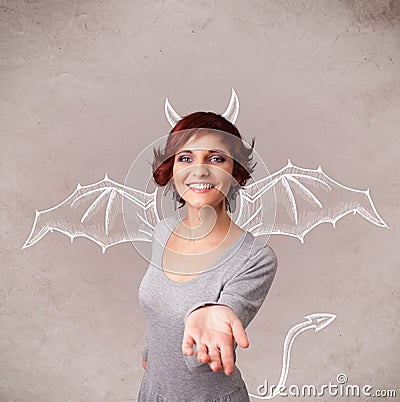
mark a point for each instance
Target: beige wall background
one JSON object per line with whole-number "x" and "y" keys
{"x": 83, "y": 86}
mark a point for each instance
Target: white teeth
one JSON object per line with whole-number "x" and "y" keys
{"x": 201, "y": 186}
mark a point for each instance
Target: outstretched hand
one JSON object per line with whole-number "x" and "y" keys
{"x": 214, "y": 326}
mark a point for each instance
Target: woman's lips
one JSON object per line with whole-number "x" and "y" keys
{"x": 198, "y": 190}
{"x": 201, "y": 190}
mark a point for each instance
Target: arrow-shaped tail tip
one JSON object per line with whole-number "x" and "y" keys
{"x": 320, "y": 320}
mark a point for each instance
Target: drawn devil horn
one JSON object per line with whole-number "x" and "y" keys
{"x": 172, "y": 116}
{"x": 230, "y": 113}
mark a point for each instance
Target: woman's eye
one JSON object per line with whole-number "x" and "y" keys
{"x": 219, "y": 158}
{"x": 183, "y": 158}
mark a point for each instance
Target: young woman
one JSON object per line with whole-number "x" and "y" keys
{"x": 207, "y": 278}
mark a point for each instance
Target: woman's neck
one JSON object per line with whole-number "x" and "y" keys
{"x": 207, "y": 222}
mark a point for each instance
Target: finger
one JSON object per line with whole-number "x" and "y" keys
{"x": 228, "y": 362}
{"x": 201, "y": 353}
{"x": 215, "y": 359}
{"x": 239, "y": 334}
{"x": 187, "y": 345}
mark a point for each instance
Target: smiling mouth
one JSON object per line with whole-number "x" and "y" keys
{"x": 201, "y": 186}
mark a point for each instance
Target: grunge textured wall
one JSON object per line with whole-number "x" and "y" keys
{"x": 82, "y": 91}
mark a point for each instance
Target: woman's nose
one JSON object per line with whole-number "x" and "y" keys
{"x": 201, "y": 169}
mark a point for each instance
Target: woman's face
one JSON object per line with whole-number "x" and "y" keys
{"x": 202, "y": 163}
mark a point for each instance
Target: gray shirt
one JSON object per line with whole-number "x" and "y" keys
{"x": 240, "y": 278}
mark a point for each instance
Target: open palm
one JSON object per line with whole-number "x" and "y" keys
{"x": 215, "y": 327}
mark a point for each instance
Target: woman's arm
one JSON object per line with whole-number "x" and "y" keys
{"x": 223, "y": 323}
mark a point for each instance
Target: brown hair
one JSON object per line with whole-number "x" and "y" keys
{"x": 187, "y": 128}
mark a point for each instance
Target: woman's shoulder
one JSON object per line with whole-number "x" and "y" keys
{"x": 258, "y": 251}
{"x": 167, "y": 221}
{"x": 165, "y": 225}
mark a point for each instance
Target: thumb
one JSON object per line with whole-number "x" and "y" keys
{"x": 239, "y": 333}
{"x": 187, "y": 345}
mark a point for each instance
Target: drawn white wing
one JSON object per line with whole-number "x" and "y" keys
{"x": 96, "y": 212}
{"x": 305, "y": 198}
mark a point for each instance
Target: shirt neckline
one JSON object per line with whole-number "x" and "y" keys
{"x": 213, "y": 265}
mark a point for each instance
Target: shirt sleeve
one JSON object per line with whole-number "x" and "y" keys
{"x": 245, "y": 293}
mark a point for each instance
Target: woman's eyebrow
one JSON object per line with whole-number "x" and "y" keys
{"x": 210, "y": 151}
